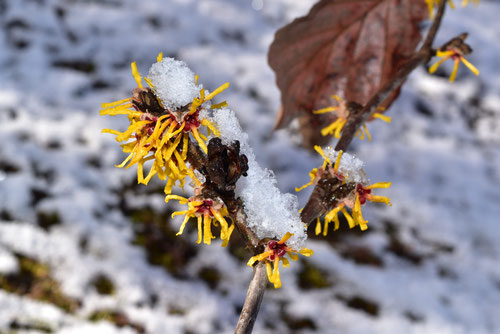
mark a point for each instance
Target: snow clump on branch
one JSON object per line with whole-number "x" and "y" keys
{"x": 270, "y": 213}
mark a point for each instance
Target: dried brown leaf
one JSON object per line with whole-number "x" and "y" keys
{"x": 344, "y": 47}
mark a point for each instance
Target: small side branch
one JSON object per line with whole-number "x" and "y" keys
{"x": 316, "y": 205}
{"x": 215, "y": 168}
{"x": 422, "y": 56}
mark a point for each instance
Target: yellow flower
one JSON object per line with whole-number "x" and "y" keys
{"x": 274, "y": 253}
{"x": 456, "y": 55}
{"x": 353, "y": 195}
{"x": 206, "y": 211}
{"x": 431, "y": 4}
{"x": 361, "y": 195}
{"x": 342, "y": 113}
{"x": 159, "y": 134}
{"x": 466, "y": 2}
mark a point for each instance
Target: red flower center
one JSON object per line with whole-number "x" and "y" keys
{"x": 192, "y": 120}
{"x": 278, "y": 249}
{"x": 205, "y": 207}
{"x": 362, "y": 193}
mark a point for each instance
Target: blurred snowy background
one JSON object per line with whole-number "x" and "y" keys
{"x": 84, "y": 249}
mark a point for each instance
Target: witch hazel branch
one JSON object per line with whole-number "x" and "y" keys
{"x": 177, "y": 134}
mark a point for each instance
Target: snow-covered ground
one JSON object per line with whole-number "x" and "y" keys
{"x": 83, "y": 249}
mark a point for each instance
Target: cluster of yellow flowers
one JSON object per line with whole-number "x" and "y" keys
{"x": 206, "y": 211}
{"x": 454, "y": 51}
{"x": 162, "y": 136}
{"x": 275, "y": 252}
{"x": 354, "y": 195}
{"x": 431, "y": 4}
{"x": 341, "y": 112}
{"x": 159, "y": 134}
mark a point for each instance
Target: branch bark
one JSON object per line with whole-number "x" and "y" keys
{"x": 253, "y": 300}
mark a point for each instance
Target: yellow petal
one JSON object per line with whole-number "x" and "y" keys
{"x": 183, "y": 225}
{"x": 228, "y": 236}
{"x": 136, "y": 75}
{"x": 337, "y": 161}
{"x": 445, "y": 53}
{"x": 121, "y": 107}
{"x": 325, "y": 229}
{"x": 168, "y": 187}
{"x": 259, "y": 257}
{"x": 185, "y": 142}
{"x": 115, "y": 103}
{"x": 322, "y": 153}
{"x": 285, "y": 238}
{"x": 368, "y": 135}
{"x": 318, "y": 226}
{"x": 217, "y": 91}
{"x": 379, "y": 185}
{"x": 330, "y": 129}
{"x": 199, "y": 230}
{"x": 312, "y": 175}
{"x": 348, "y": 217}
{"x": 218, "y": 105}
{"x": 179, "y": 213}
{"x": 434, "y": 67}
{"x": 211, "y": 126}
{"x": 131, "y": 129}
{"x": 181, "y": 199}
{"x": 207, "y": 229}
{"x": 306, "y": 252}
{"x": 455, "y": 70}
{"x": 336, "y": 97}
{"x": 336, "y": 222}
{"x": 360, "y": 134}
{"x": 276, "y": 273}
{"x": 113, "y": 132}
{"x": 167, "y": 154}
{"x": 430, "y": 6}
{"x": 222, "y": 221}
{"x": 200, "y": 141}
{"x": 379, "y": 199}
{"x": 151, "y": 173}
{"x": 269, "y": 271}
{"x": 339, "y": 128}
{"x": 126, "y": 160}
{"x": 148, "y": 81}
{"x": 325, "y": 110}
{"x": 182, "y": 164}
{"x": 252, "y": 260}
{"x": 358, "y": 216}
{"x": 382, "y": 117}
{"x": 140, "y": 171}
{"x": 469, "y": 66}
{"x": 333, "y": 215}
